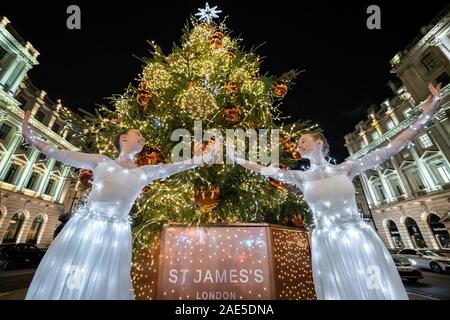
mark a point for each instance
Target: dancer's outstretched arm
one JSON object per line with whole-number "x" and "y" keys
{"x": 287, "y": 176}
{"x": 378, "y": 156}
{"x": 162, "y": 171}
{"x": 71, "y": 158}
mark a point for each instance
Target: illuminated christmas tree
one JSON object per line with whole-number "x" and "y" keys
{"x": 208, "y": 77}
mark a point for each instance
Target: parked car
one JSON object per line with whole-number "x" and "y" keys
{"x": 427, "y": 259}
{"x": 406, "y": 270}
{"x": 19, "y": 255}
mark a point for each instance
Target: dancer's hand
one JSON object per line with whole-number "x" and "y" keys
{"x": 433, "y": 99}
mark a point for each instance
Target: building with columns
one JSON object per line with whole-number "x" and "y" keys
{"x": 409, "y": 194}
{"x": 34, "y": 190}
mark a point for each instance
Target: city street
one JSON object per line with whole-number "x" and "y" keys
{"x": 13, "y": 285}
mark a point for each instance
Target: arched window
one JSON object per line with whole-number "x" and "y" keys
{"x": 35, "y": 230}
{"x": 440, "y": 231}
{"x": 15, "y": 225}
{"x": 414, "y": 233}
{"x": 395, "y": 234}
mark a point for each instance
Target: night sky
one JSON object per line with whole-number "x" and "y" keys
{"x": 347, "y": 65}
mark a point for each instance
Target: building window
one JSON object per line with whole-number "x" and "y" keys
{"x": 12, "y": 171}
{"x": 414, "y": 233}
{"x": 429, "y": 62}
{"x": 395, "y": 184}
{"x": 23, "y": 102}
{"x": 39, "y": 116}
{"x": 415, "y": 179}
{"x": 4, "y": 131}
{"x": 440, "y": 231}
{"x": 56, "y": 127}
{"x": 35, "y": 230}
{"x": 50, "y": 187}
{"x": 32, "y": 181}
{"x": 14, "y": 228}
{"x": 395, "y": 235}
{"x": 390, "y": 125}
{"x": 425, "y": 141}
{"x": 443, "y": 173}
{"x": 375, "y": 135}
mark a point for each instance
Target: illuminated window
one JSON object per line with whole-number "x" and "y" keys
{"x": 375, "y": 135}
{"x": 425, "y": 141}
{"x": 36, "y": 227}
{"x": 443, "y": 172}
{"x": 390, "y": 125}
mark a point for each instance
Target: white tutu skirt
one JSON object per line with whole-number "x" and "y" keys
{"x": 90, "y": 259}
{"x": 351, "y": 262}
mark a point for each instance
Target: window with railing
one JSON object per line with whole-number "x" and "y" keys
{"x": 375, "y": 135}
{"x": 390, "y": 124}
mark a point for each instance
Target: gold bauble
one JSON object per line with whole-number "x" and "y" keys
{"x": 150, "y": 155}
{"x": 207, "y": 198}
{"x": 230, "y": 54}
{"x": 231, "y": 87}
{"x": 232, "y": 114}
{"x": 144, "y": 98}
{"x": 289, "y": 144}
{"x": 279, "y": 90}
{"x": 297, "y": 221}
{"x": 86, "y": 177}
{"x": 216, "y": 39}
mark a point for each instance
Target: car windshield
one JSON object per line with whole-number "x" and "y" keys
{"x": 431, "y": 253}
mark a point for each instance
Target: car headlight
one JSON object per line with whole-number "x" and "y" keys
{"x": 413, "y": 262}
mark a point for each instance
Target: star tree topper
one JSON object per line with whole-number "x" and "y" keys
{"x": 208, "y": 13}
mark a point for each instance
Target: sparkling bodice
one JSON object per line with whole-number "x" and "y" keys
{"x": 115, "y": 188}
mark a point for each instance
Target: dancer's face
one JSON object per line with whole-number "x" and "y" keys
{"x": 307, "y": 145}
{"x": 133, "y": 141}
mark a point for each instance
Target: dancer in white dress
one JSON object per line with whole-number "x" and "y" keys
{"x": 349, "y": 260}
{"x": 91, "y": 257}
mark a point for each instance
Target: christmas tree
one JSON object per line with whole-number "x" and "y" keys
{"x": 208, "y": 77}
